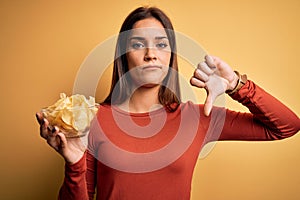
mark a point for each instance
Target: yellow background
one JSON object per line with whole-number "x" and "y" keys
{"x": 43, "y": 44}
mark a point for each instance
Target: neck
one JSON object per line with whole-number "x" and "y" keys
{"x": 143, "y": 100}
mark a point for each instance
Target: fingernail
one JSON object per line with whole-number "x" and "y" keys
{"x": 38, "y": 118}
{"x": 54, "y": 129}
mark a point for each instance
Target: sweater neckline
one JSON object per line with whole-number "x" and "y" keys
{"x": 143, "y": 114}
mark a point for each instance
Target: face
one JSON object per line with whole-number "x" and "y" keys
{"x": 148, "y": 52}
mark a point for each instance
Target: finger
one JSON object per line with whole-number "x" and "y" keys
{"x": 63, "y": 139}
{"x": 39, "y": 117}
{"x": 200, "y": 75}
{"x": 216, "y": 60}
{"x": 52, "y": 139}
{"x": 52, "y": 134}
{"x": 43, "y": 125}
{"x": 208, "y": 104}
{"x": 210, "y": 62}
{"x": 44, "y": 132}
{"x": 205, "y": 68}
{"x": 196, "y": 82}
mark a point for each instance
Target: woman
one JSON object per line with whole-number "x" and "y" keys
{"x": 145, "y": 141}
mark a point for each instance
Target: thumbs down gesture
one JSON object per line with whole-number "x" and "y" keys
{"x": 216, "y": 77}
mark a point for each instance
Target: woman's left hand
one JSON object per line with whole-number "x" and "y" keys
{"x": 215, "y": 76}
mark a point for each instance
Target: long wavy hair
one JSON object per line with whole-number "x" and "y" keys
{"x": 169, "y": 91}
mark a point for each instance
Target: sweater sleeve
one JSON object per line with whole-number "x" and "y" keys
{"x": 74, "y": 186}
{"x": 269, "y": 118}
{"x": 91, "y": 175}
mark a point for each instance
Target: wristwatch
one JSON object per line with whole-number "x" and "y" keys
{"x": 241, "y": 82}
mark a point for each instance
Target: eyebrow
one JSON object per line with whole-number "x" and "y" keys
{"x": 142, "y": 38}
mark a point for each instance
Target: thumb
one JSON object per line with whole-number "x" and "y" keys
{"x": 209, "y": 101}
{"x": 63, "y": 140}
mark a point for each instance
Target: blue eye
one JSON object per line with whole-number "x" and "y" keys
{"x": 161, "y": 45}
{"x": 137, "y": 45}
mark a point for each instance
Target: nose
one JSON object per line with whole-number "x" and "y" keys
{"x": 150, "y": 54}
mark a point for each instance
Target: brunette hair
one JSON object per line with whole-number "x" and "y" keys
{"x": 169, "y": 92}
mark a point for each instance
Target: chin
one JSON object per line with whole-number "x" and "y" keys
{"x": 151, "y": 81}
{"x": 150, "y": 85}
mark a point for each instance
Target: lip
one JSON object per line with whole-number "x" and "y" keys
{"x": 152, "y": 67}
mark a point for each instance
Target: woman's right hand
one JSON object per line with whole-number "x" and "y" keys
{"x": 72, "y": 149}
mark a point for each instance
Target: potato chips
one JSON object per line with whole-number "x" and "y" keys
{"x": 72, "y": 115}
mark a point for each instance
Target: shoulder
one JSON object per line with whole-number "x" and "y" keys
{"x": 198, "y": 109}
{"x": 104, "y": 107}
{"x": 104, "y": 110}
{"x": 191, "y": 107}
